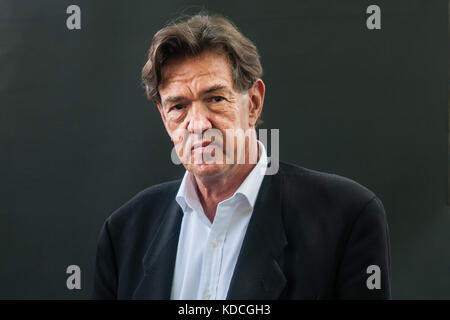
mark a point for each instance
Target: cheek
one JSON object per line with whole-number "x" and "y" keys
{"x": 177, "y": 134}
{"x": 174, "y": 119}
{"x": 242, "y": 111}
{"x": 173, "y": 125}
{"x": 230, "y": 116}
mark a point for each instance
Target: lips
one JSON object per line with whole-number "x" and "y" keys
{"x": 200, "y": 144}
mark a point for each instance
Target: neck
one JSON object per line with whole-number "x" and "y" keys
{"x": 212, "y": 190}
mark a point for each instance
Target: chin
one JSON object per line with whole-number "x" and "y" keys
{"x": 204, "y": 170}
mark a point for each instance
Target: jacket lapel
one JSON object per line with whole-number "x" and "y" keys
{"x": 258, "y": 274}
{"x": 159, "y": 260}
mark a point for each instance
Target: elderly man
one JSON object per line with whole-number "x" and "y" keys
{"x": 227, "y": 230}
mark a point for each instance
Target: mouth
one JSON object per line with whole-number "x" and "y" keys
{"x": 200, "y": 145}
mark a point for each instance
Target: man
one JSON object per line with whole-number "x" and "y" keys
{"x": 227, "y": 230}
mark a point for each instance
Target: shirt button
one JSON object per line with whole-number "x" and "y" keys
{"x": 206, "y": 296}
{"x": 213, "y": 243}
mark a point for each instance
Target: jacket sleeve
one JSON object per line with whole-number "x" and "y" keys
{"x": 105, "y": 272}
{"x": 364, "y": 272}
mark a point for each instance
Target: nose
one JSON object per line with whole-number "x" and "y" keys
{"x": 198, "y": 118}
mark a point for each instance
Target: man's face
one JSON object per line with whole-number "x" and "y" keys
{"x": 197, "y": 94}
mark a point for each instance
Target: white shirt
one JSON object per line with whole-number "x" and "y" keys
{"x": 207, "y": 252}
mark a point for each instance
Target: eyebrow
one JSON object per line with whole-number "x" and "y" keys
{"x": 211, "y": 89}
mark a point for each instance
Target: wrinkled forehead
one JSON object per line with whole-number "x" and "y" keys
{"x": 194, "y": 71}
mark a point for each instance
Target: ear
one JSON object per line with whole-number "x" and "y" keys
{"x": 256, "y": 97}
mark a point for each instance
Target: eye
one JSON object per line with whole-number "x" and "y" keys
{"x": 177, "y": 107}
{"x": 217, "y": 99}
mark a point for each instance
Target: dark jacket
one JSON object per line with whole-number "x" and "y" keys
{"x": 312, "y": 235}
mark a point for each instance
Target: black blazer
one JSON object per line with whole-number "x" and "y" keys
{"x": 312, "y": 235}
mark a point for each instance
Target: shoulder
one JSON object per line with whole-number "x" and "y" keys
{"x": 322, "y": 182}
{"x": 323, "y": 194}
{"x": 146, "y": 206}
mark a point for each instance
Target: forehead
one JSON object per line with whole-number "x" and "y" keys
{"x": 193, "y": 73}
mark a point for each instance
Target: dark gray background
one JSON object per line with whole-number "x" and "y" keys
{"x": 78, "y": 138}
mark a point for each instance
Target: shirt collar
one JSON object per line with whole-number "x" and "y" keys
{"x": 250, "y": 187}
{"x": 187, "y": 194}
